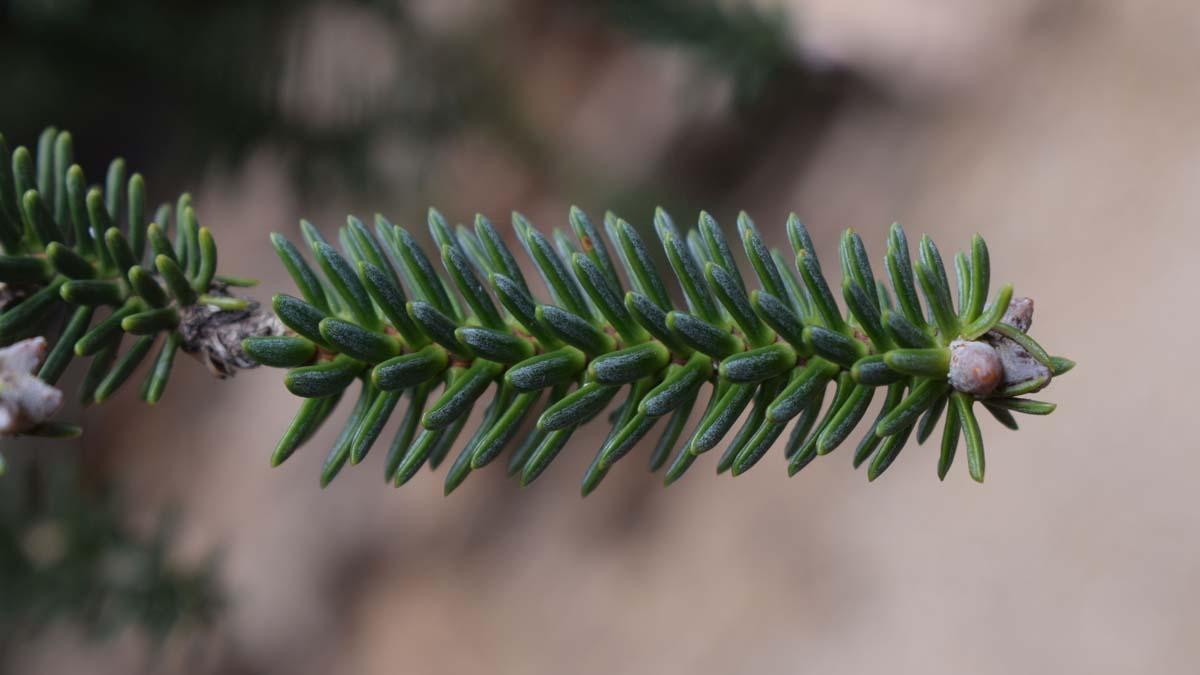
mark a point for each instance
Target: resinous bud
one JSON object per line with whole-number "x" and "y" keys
{"x": 975, "y": 367}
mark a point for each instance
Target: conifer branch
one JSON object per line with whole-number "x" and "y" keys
{"x": 429, "y": 346}
{"x": 85, "y": 266}
{"x": 378, "y": 313}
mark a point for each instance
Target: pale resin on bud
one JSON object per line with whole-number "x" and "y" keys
{"x": 975, "y": 367}
{"x": 25, "y": 401}
{"x": 1020, "y": 368}
{"x": 1019, "y": 314}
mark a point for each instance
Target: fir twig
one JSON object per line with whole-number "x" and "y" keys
{"x": 772, "y": 350}
{"x": 84, "y": 266}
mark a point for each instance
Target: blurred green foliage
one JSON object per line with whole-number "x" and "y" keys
{"x": 747, "y": 44}
{"x": 171, "y": 85}
{"x": 68, "y": 553}
{"x": 172, "y": 76}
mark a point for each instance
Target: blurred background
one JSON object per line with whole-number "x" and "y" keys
{"x": 1065, "y": 131}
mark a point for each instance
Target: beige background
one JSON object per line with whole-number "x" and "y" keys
{"x": 1065, "y": 131}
